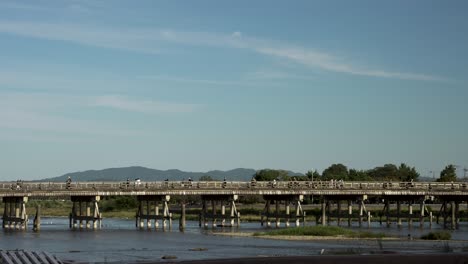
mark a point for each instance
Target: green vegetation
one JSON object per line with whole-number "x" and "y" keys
{"x": 312, "y": 175}
{"x": 118, "y": 203}
{"x": 387, "y": 172}
{"x": 448, "y": 174}
{"x": 320, "y": 231}
{"x": 270, "y": 175}
{"x": 206, "y": 178}
{"x": 439, "y": 235}
{"x": 336, "y": 172}
{"x": 50, "y": 207}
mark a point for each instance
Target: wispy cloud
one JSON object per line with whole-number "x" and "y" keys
{"x": 251, "y": 82}
{"x": 330, "y": 63}
{"x": 276, "y": 75}
{"x": 151, "y": 40}
{"x": 107, "y": 38}
{"x": 53, "y": 113}
{"x": 49, "y": 6}
{"x": 142, "y": 106}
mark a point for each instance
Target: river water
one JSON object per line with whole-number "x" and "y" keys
{"x": 120, "y": 241}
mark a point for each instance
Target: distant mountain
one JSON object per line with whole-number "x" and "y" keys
{"x": 146, "y": 174}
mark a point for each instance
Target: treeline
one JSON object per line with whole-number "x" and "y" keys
{"x": 387, "y": 172}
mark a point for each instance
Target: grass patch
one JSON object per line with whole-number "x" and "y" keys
{"x": 333, "y": 231}
{"x": 439, "y": 235}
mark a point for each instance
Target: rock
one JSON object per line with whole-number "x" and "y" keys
{"x": 198, "y": 249}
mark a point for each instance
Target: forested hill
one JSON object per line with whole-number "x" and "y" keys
{"x": 146, "y": 174}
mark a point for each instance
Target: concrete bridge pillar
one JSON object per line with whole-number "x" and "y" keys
{"x": 14, "y": 213}
{"x": 81, "y": 215}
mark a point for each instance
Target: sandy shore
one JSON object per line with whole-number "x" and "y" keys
{"x": 332, "y": 245}
{"x": 297, "y": 238}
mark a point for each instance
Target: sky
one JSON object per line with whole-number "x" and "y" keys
{"x": 204, "y": 85}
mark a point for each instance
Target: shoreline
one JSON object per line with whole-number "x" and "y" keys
{"x": 382, "y": 258}
{"x": 329, "y": 238}
{"x": 302, "y": 238}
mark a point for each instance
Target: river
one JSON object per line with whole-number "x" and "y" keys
{"x": 120, "y": 241}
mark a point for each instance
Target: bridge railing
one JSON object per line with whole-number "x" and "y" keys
{"x": 234, "y": 185}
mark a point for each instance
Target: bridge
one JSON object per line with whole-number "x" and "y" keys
{"x": 153, "y": 196}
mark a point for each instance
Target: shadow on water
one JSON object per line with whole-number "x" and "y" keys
{"x": 120, "y": 241}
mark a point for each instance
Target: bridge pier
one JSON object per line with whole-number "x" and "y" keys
{"x": 327, "y": 209}
{"x": 362, "y": 209}
{"x": 148, "y": 211}
{"x": 222, "y": 200}
{"x": 37, "y": 219}
{"x": 398, "y": 215}
{"x": 288, "y": 200}
{"x": 14, "y": 212}
{"x": 81, "y": 216}
{"x": 182, "y": 217}
{"x": 450, "y": 212}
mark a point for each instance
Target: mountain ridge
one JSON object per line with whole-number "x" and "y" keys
{"x": 148, "y": 174}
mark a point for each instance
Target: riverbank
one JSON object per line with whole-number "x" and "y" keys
{"x": 368, "y": 259}
{"x": 341, "y": 245}
{"x": 297, "y": 238}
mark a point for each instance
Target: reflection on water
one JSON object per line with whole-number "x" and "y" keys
{"x": 118, "y": 240}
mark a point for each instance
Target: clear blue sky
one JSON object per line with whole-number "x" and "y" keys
{"x": 202, "y": 85}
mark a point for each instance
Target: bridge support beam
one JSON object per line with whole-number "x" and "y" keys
{"x": 81, "y": 216}
{"x": 182, "y": 217}
{"x": 328, "y": 202}
{"x": 398, "y": 215}
{"x": 214, "y": 215}
{"x": 37, "y": 219}
{"x": 14, "y": 213}
{"x": 450, "y": 212}
{"x": 148, "y": 211}
{"x": 295, "y": 200}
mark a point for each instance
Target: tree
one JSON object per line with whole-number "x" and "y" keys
{"x": 206, "y": 178}
{"x": 313, "y": 175}
{"x": 448, "y": 174}
{"x": 406, "y": 173}
{"x": 269, "y": 175}
{"x": 385, "y": 173}
{"x": 358, "y": 175}
{"x": 336, "y": 172}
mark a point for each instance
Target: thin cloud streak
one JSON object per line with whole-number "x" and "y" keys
{"x": 241, "y": 82}
{"x": 276, "y": 75}
{"x": 328, "y": 62}
{"x": 47, "y": 113}
{"x": 142, "y": 106}
{"x": 150, "y": 40}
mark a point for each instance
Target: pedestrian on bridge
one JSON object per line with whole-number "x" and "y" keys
{"x": 68, "y": 183}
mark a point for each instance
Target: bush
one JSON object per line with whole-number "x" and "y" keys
{"x": 440, "y": 235}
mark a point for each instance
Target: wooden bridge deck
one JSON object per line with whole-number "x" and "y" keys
{"x": 185, "y": 188}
